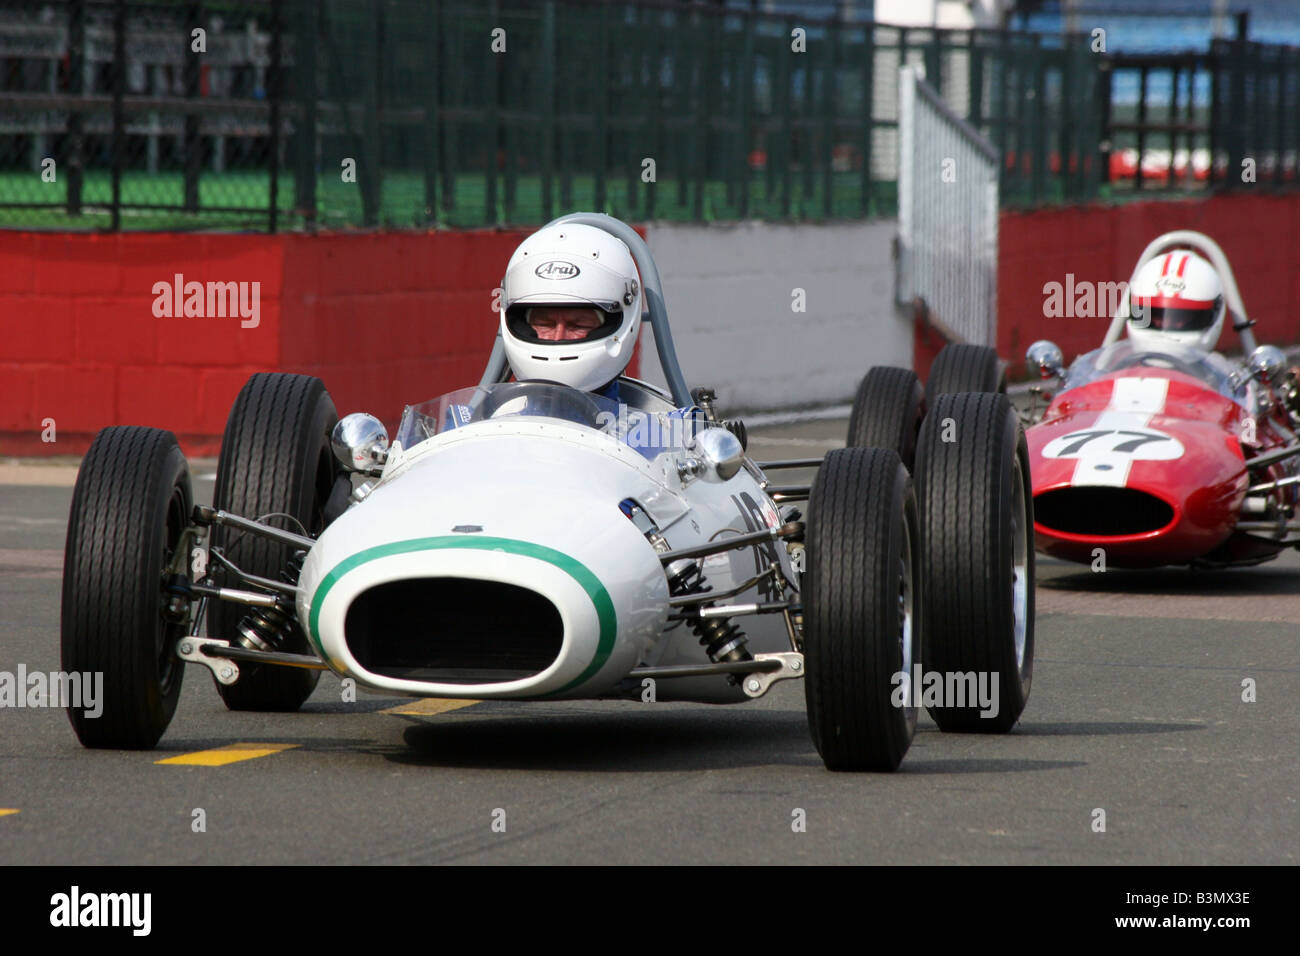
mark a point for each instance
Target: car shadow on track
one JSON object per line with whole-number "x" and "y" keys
{"x": 1233, "y": 582}
{"x": 653, "y": 743}
{"x": 623, "y": 742}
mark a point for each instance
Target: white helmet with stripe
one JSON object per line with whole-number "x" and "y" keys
{"x": 1176, "y": 299}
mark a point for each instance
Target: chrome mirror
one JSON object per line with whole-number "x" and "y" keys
{"x": 1044, "y": 358}
{"x": 720, "y": 452}
{"x": 1267, "y": 363}
{"x": 360, "y": 443}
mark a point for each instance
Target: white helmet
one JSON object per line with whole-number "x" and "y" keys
{"x": 1176, "y": 298}
{"x": 573, "y": 266}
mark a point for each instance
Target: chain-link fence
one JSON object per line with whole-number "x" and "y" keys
{"x": 411, "y": 113}
{"x": 132, "y": 115}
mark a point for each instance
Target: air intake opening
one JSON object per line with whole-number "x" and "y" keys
{"x": 453, "y": 630}
{"x": 1101, "y": 512}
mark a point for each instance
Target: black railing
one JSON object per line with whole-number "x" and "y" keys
{"x": 121, "y": 114}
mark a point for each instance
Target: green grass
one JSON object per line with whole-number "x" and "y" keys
{"x": 402, "y": 201}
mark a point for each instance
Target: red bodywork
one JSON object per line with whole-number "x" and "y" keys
{"x": 1150, "y": 466}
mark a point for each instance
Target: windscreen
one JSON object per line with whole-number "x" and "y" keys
{"x": 649, "y": 432}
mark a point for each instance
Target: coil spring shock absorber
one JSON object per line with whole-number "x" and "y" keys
{"x": 267, "y": 628}
{"x": 722, "y": 640}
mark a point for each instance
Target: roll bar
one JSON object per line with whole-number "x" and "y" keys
{"x": 496, "y": 370}
{"x": 1210, "y": 249}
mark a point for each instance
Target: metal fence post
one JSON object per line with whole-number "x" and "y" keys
{"x": 786, "y": 146}
{"x": 828, "y": 120}
{"x": 1142, "y": 125}
{"x": 546, "y": 90}
{"x": 490, "y": 212}
{"x": 432, "y": 110}
{"x": 1237, "y": 112}
{"x": 193, "y": 143}
{"x": 1066, "y": 133}
{"x": 305, "y": 78}
{"x": 701, "y": 85}
{"x": 746, "y": 109}
{"x": 868, "y": 114}
{"x": 1039, "y": 119}
{"x": 602, "y": 110}
{"x": 656, "y": 114}
{"x": 76, "y": 161}
{"x": 808, "y": 184}
{"x": 1105, "y": 75}
{"x": 275, "y": 89}
{"x": 119, "y": 119}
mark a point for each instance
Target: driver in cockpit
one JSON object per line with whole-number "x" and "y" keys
{"x": 1176, "y": 300}
{"x": 1176, "y": 303}
{"x": 571, "y": 307}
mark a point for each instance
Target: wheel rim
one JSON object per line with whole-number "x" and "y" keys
{"x": 1019, "y": 564}
{"x": 906, "y": 618}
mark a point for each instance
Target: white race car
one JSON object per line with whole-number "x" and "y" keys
{"x": 528, "y": 540}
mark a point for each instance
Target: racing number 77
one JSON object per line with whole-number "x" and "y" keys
{"x": 1127, "y": 447}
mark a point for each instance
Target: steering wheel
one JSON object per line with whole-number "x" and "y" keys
{"x": 1169, "y": 362}
{"x": 559, "y": 401}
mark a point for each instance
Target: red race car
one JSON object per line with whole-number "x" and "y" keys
{"x": 1156, "y": 449}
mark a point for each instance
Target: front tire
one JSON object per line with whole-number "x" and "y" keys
{"x": 130, "y": 510}
{"x": 859, "y": 597}
{"x": 275, "y": 460}
{"x": 977, "y": 516}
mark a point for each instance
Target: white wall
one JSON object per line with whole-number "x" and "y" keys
{"x": 729, "y": 293}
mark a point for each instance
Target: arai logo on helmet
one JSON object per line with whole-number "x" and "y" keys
{"x": 557, "y": 270}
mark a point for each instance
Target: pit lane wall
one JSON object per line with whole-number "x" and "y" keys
{"x": 776, "y": 316}
{"x": 1074, "y": 246}
{"x": 383, "y": 319}
{"x": 772, "y": 316}
{"x": 95, "y": 332}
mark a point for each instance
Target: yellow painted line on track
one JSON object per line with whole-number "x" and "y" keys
{"x": 5, "y": 813}
{"x": 428, "y": 707}
{"x": 231, "y": 753}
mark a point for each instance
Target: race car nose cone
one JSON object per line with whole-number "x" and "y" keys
{"x": 446, "y": 581}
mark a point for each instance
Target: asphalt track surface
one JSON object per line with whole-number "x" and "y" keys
{"x": 1136, "y": 710}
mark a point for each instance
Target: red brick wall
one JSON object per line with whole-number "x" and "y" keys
{"x": 384, "y": 319}
{"x": 1260, "y": 234}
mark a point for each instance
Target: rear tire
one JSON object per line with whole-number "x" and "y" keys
{"x": 977, "y": 570}
{"x": 887, "y": 412}
{"x": 130, "y": 509}
{"x": 965, "y": 368}
{"x": 275, "y": 459}
{"x": 859, "y": 597}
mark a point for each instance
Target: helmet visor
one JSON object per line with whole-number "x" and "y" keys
{"x": 1174, "y": 318}
{"x": 557, "y": 324}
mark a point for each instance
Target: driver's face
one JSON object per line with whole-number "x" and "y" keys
{"x": 562, "y": 323}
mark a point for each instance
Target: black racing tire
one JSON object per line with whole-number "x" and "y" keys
{"x": 859, "y": 601}
{"x": 275, "y": 459}
{"x": 977, "y": 568}
{"x": 965, "y": 368}
{"x": 130, "y": 510}
{"x": 887, "y": 412}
